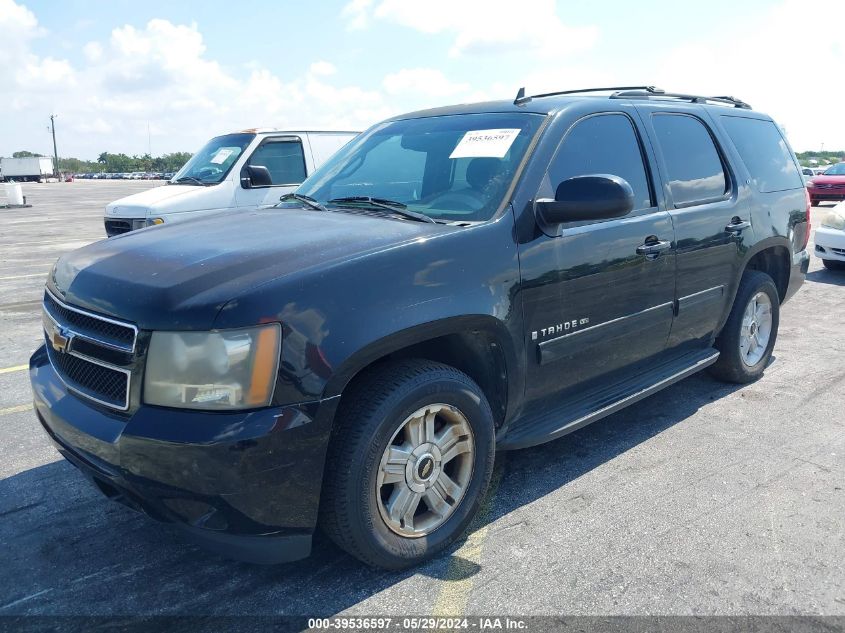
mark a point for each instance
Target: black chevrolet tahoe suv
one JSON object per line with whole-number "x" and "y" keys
{"x": 453, "y": 282}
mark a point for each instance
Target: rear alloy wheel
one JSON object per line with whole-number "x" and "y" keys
{"x": 408, "y": 463}
{"x": 746, "y": 341}
{"x": 756, "y": 329}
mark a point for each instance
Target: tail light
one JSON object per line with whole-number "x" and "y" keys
{"x": 809, "y": 226}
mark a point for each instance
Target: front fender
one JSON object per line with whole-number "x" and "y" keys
{"x": 338, "y": 319}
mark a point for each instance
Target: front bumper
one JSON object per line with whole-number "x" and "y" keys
{"x": 830, "y": 243}
{"x": 245, "y": 484}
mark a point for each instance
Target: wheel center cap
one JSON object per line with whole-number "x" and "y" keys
{"x": 425, "y": 467}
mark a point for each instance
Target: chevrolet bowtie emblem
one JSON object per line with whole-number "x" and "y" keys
{"x": 59, "y": 340}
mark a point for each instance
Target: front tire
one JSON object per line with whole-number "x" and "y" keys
{"x": 409, "y": 463}
{"x": 746, "y": 342}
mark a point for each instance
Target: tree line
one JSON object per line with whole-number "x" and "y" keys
{"x": 118, "y": 163}
{"x": 827, "y": 156}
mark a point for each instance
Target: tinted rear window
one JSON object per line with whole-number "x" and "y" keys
{"x": 692, "y": 160}
{"x": 764, "y": 152}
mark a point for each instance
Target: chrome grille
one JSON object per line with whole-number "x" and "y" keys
{"x": 104, "y": 384}
{"x": 95, "y": 328}
{"x": 92, "y": 354}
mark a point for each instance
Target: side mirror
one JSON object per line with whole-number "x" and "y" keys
{"x": 255, "y": 176}
{"x": 597, "y": 197}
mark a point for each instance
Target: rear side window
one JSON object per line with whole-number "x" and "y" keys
{"x": 283, "y": 159}
{"x": 603, "y": 144}
{"x": 764, "y": 152}
{"x": 695, "y": 170}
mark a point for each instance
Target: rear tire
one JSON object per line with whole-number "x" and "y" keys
{"x": 391, "y": 497}
{"x": 832, "y": 264}
{"x": 746, "y": 342}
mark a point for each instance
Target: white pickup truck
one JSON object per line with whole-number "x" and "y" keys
{"x": 234, "y": 172}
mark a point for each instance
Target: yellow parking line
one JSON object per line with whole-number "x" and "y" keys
{"x": 460, "y": 576}
{"x": 17, "y": 409}
{"x": 41, "y": 274}
{"x": 9, "y": 370}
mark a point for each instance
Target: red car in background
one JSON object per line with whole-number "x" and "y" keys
{"x": 829, "y": 186}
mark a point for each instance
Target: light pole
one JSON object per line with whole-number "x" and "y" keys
{"x": 55, "y": 151}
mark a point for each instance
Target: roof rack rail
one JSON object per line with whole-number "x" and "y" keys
{"x": 634, "y": 93}
{"x": 521, "y": 98}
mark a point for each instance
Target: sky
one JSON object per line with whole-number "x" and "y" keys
{"x": 129, "y": 76}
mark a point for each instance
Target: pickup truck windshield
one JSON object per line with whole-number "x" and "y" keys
{"x": 836, "y": 170}
{"x": 212, "y": 163}
{"x": 451, "y": 168}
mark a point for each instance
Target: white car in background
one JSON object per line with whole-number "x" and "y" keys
{"x": 242, "y": 171}
{"x": 830, "y": 238}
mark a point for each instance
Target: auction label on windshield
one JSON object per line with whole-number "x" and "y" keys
{"x": 485, "y": 144}
{"x": 222, "y": 154}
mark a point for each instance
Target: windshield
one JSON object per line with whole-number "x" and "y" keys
{"x": 836, "y": 170}
{"x": 451, "y": 168}
{"x": 212, "y": 163}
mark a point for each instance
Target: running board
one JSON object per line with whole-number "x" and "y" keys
{"x": 571, "y": 415}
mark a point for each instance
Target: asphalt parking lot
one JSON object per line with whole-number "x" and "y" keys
{"x": 704, "y": 499}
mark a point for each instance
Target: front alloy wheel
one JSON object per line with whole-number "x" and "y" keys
{"x": 425, "y": 470}
{"x": 408, "y": 463}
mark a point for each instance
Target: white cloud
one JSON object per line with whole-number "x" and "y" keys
{"x": 423, "y": 80}
{"x": 761, "y": 64}
{"x": 93, "y": 51}
{"x": 482, "y": 26}
{"x": 160, "y": 75}
{"x": 357, "y": 13}
{"x": 322, "y": 68}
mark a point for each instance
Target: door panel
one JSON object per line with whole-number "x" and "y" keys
{"x": 594, "y": 301}
{"x": 700, "y": 190}
{"x": 592, "y": 304}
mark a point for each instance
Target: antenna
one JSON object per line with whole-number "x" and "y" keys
{"x": 520, "y": 97}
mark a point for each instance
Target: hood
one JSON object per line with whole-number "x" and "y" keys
{"x": 178, "y": 276}
{"x": 137, "y": 205}
{"x": 828, "y": 180}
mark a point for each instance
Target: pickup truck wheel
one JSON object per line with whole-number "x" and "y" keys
{"x": 409, "y": 463}
{"x": 746, "y": 342}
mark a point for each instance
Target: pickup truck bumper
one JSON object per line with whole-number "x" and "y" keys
{"x": 244, "y": 484}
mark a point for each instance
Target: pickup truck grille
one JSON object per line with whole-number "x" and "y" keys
{"x": 92, "y": 354}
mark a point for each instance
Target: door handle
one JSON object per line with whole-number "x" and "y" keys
{"x": 737, "y": 226}
{"x": 653, "y": 247}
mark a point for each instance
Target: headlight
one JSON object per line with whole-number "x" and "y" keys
{"x": 809, "y": 184}
{"x": 834, "y": 221}
{"x": 223, "y": 370}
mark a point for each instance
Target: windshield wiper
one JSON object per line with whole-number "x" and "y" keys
{"x": 393, "y": 206}
{"x": 192, "y": 179}
{"x": 306, "y": 200}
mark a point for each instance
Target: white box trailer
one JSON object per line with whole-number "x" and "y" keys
{"x": 29, "y": 169}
